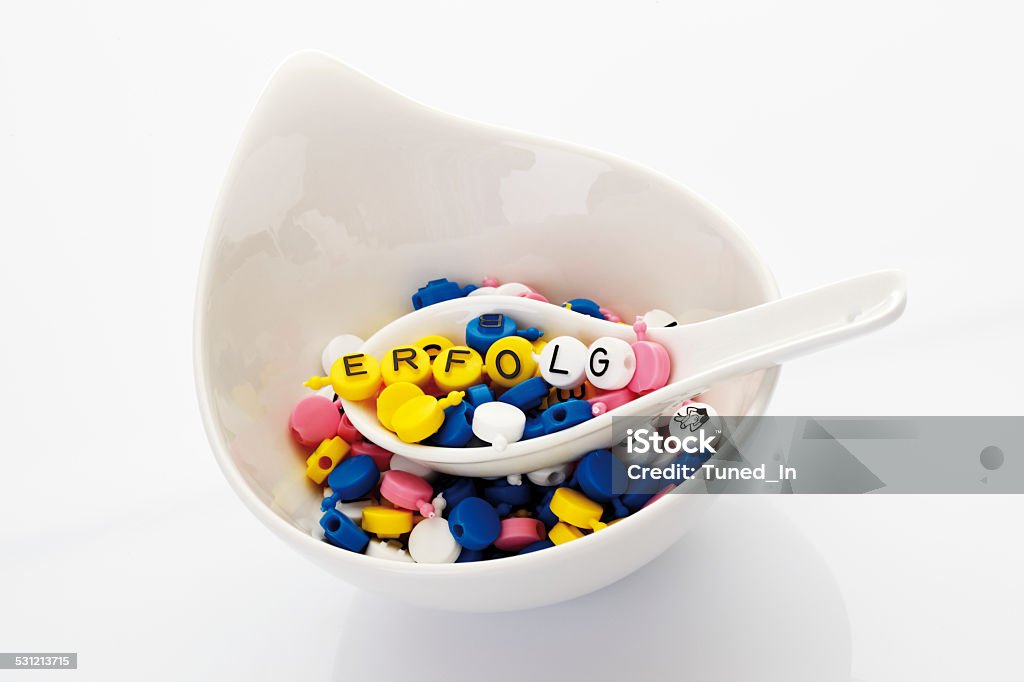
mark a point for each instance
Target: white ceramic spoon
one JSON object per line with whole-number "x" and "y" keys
{"x": 702, "y": 354}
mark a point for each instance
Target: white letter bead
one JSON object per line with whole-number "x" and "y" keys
{"x": 563, "y": 362}
{"x": 498, "y": 423}
{"x": 611, "y": 363}
{"x": 432, "y": 543}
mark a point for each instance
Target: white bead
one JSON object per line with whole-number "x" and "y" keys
{"x": 432, "y": 543}
{"x": 484, "y": 291}
{"x": 401, "y": 463}
{"x": 659, "y": 318}
{"x": 498, "y": 423}
{"x": 338, "y": 346}
{"x": 611, "y": 363}
{"x": 563, "y": 362}
{"x": 549, "y": 476}
{"x": 390, "y": 550}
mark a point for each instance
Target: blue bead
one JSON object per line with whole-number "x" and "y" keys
{"x": 596, "y": 474}
{"x": 468, "y": 555}
{"x": 527, "y": 395}
{"x": 564, "y": 415}
{"x": 634, "y": 501}
{"x": 478, "y": 395}
{"x": 474, "y": 523}
{"x": 437, "y": 290}
{"x": 534, "y": 427}
{"x": 502, "y": 492}
{"x": 341, "y": 531}
{"x": 585, "y": 306}
{"x": 534, "y": 546}
{"x": 457, "y": 429}
{"x": 544, "y": 513}
{"x": 482, "y": 331}
{"x": 458, "y": 491}
{"x": 352, "y": 479}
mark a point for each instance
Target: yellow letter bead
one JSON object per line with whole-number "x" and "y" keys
{"x": 421, "y": 417}
{"x": 434, "y": 345}
{"x": 406, "y": 363}
{"x": 325, "y": 458}
{"x": 385, "y": 522}
{"x": 577, "y": 509}
{"x": 355, "y": 376}
{"x": 392, "y": 398}
{"x": 582, "y": 392}
{"x": 510, "y": 361}
{"x": 562, "y": 533}
{"x": 457, "y": 368}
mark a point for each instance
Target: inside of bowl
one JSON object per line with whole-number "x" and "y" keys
{"x": 345, "y": 197}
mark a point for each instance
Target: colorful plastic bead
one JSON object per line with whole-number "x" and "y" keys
{"x": 533, "y": 547}
{"x": 457, "y": 368}
{"x": 386, "y": 522}
{"x": 457, "y": 429}
{"x": 406, "y": 363}
{"x": 433, "y": 345}
{"x": 392, "y": 398}
{"x": 652, "y": 362}
{"x": 483, "y": 331}
{"x": 327, "y": 456}
{"x": 354, "y": 377}
{"x": 431, "y": 542}
{"x": 596, "y": 472}
{"x": 421, "y": 417}
{"x": 563, "y": 362}
{"x": 352, "y": 479}
{"x": 474, "y": 523}
{"x": 562, "y": 533}
{"x": 380, "y": 456}
{"x": 584, "y": 306}
{"x": 565, "y": 415}
{"x": 611, "y": 363}
{"x": 577, "y": 509}
{"x": 467, "y": 556}
{"x": 313, "y": 420}
{"x": 510, "y": 361}
{"x": 478, "y": 395}
{"x": 518, "y": 532}
{"x": 407, "y": 491}
{"x": 606, "y": 401}
{"x": 582, "y": 392}
{"x": 438, "y": 290}
{"x": 340, "y": 531}
{"x": 498, "y": 423}
{"x": 549, "y": 475}
{"x": 533, "y": 428}
{"x": 347, "y": 431}
{"x": 391, "y": 550}
{"x": 659, "y": 318}
{"x": 458, "y": 491}
{"x": 527, "y": 395}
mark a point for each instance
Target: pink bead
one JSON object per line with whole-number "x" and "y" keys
{"x": 609, "y": 400}
{"x": 314, "y": 420}
{"x": 652, "y": 362}
{"x": 489, "y": 282}
{"x": 610, "y": 315}
{"x": 348, "y": 432}
{"x": 533, "y": 295}
{"x": 407, "y": 491}
{"x": 381, "y": 457}
{"x": 518, "y": 532}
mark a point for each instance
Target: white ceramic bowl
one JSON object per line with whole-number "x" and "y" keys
{"x": 343, "y": 198}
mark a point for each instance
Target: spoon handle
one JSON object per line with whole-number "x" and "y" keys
{"x": 771, "y": 333}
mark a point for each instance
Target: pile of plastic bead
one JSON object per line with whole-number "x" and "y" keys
{"x": 435, "y": 391}
{"x": 501, "y": 383}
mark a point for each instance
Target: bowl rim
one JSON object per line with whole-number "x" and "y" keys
{"x": 328, "y": 553}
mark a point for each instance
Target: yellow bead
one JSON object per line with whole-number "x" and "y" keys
{"x": 562, "y": 533}
{"x": 355, "y": 376}
{"x": 510, "y": 361}
{"x": 582, "y": 392}
{"x": 457, "y": 368}
{"x": 392, "y": 398}
{"x": 434, "y": 345}
{"x": 577, "y": 509}
{"x": 325, "y": 458}
{"x": 421, "y": 417}
{"x": 406, "y": 363}
{"x": 385, "y": 522}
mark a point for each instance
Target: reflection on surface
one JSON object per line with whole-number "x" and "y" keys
{"x": 743, "y": 596}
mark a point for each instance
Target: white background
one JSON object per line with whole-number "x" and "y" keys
{"x": 843, "y": 138}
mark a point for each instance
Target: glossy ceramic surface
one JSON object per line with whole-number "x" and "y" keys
{"x": 343, "y": 198}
